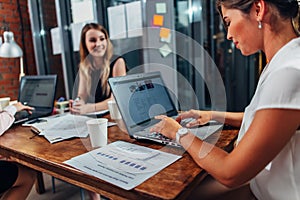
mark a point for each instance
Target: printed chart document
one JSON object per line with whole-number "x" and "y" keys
{"x": 59, "y": 128}
{"x": 123, "y": 164}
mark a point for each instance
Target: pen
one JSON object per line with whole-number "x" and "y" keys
{"x": 35, "y": 134}
{"x": 76, "y": 100}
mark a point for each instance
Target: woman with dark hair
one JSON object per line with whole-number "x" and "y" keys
{"x": 96, "y": 51}
{"x": 268, "y": 145}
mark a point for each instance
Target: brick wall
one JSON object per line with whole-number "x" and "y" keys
{"x": 10, "y": 67}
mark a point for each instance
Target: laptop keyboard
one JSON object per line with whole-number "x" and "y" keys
{"x": 158, "y": 136}
{"x": 22, "y": 114}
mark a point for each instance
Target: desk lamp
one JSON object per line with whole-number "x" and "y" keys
{"x": 10, "y": 49}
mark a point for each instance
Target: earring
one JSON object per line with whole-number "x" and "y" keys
{"x": 259, "y": 25}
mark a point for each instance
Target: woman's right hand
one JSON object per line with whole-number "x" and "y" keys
{"x": 201, "y": 117}
{"x": 76, "y": 106}
{"x": 19, "y": 106}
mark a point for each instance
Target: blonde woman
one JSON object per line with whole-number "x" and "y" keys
{"x": 95, "y": 69}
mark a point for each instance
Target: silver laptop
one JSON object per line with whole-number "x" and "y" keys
{"x": 39, "y": 92}
{"x": 141, "y": 97}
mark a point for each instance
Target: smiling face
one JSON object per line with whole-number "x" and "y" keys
{"x": 242, "y": 30}
{"x": 96, "y": 42}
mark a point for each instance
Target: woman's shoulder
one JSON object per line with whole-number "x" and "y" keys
{"x": 117, "y": 58}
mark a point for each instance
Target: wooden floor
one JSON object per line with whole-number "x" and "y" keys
{"x": 64, "y": 191}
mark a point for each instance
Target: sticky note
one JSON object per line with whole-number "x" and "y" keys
{"x": 165, "y": 50}
{"x": 158, "y": 20}
{"x": 164, "y": 32}
{"x": 168, "y": 39}
{"x": 161, "y": 8}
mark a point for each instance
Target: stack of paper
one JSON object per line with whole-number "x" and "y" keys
{"x": 123, "y": 164}
{"x": 63, "y": 127}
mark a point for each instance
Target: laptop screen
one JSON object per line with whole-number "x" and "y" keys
{"x": 140, "y": 97}
{"x": 38, "y": 91}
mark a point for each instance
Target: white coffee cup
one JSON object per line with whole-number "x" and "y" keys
{"x": 97, "y": 129}
{"x": 4, "y": 102}
{"x": 113, "y": 110}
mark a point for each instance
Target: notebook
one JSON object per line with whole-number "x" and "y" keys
{"x": 39, "y": 92}
{"x": 141, "y": 97}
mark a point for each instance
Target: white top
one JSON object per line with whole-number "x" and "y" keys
{"x": 278, "y": 87}
{"x": 7, "y": 117}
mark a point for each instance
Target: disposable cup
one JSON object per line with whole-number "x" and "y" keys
{"x": 97, "y": 129}
{"x": 113, "y": 110}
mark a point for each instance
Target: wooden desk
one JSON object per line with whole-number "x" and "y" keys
{"x": 174, "y": 182}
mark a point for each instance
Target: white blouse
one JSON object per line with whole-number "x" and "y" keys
{"x": 278, "y": 87}
{"x": 7, "y": 118}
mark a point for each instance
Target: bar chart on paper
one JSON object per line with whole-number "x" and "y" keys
{"x": 123, "y": 164}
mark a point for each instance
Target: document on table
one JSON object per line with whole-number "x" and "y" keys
{"x": 62, "y": 127}
{"x": 123, "y": 164}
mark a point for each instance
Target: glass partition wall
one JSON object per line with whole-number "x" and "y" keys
{"x": 194, "y": 24}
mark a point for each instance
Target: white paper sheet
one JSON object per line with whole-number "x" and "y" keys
{"x": 82, "y": 11}
{"x": 165, "y": 50}
{"x": 55, "y": 38}
{"x": 76, "y": 32}
{"x": 161, "y": 8}
{"x": 117, "y": 22}
{"x": 62, "y": 127}
{"x": 134, "y": 19}
{"x": 123, "y": 164}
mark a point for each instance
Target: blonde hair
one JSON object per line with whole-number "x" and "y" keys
{"x": 86, "y": 60}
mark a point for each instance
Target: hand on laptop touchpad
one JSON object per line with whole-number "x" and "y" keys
{"x": 184, "y": 122}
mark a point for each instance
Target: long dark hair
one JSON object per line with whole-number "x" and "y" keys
{"x": 288, "y": 9}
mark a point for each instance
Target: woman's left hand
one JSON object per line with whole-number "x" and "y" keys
{"x": 167, "y": 126}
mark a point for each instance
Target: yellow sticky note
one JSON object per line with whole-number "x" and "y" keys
{"x": 164, "y": 32}
{"x": 158, "y": 20}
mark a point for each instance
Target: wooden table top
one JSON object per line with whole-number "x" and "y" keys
{"x": 174, "y": 182}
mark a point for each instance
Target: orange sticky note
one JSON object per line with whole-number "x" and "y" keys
{"x": 158, "y": 20}
{"x": 164, "y": 32}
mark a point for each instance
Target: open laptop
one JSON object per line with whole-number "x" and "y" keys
{"x": 141, "y": 97}
{"x": 39, "y": 92}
